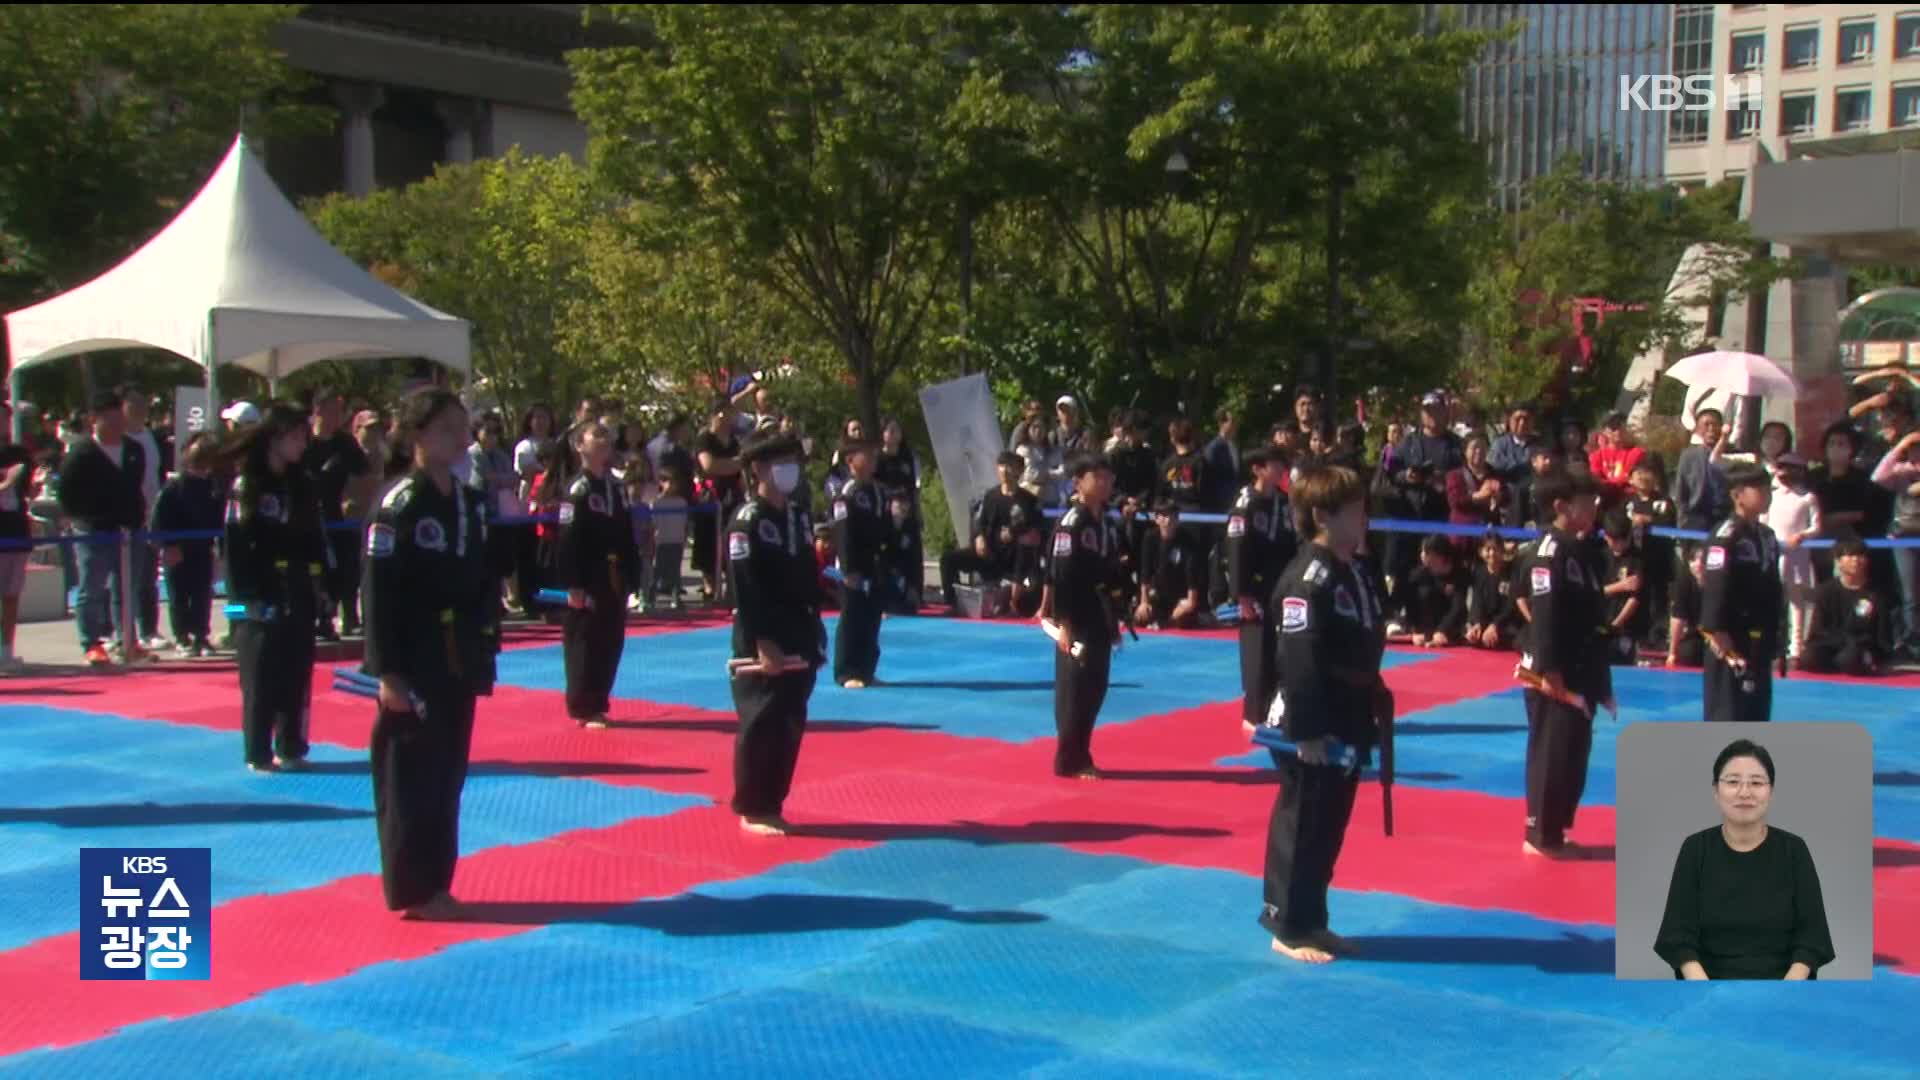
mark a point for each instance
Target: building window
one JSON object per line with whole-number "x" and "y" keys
{"x": 1856, "y": 42}
{"x": 1802, "y": 47}
{"x": 1797, "y": 115}
{"x": 1743, "y": 123}
{"x": 1906, "y": 105}
{"x": 1749, "y": 52}
{"x": 1686, "y": 127}
{"x": 1852, "y": 110}
{"x": 1906, "y": 35}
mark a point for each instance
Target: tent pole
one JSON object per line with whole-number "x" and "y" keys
{"x": 13, "y": 405}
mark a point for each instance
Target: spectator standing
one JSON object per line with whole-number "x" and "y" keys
{"x": 100, "y": 489}
{"x": 1700, "y": 492}
{"x": 1508, "y": 454}
{"x": 16, "y": 493}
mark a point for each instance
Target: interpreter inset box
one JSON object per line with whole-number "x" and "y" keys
{"x": 1744, "y": 851}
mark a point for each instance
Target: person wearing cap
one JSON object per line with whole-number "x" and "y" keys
{"x": 1071, "y": 433}
{"x": 598, "y": 563}
{"x": 1260, "y": 545}
{"x": 860, "y": 531}
{"x": 100, "y": 490}
{"x": 1564, "y": 665}
{"x": 1613, "y": 461}
{"x": 1086, "y": 569}
{"x": 777, "y": 632}
{"x": 1173, "y": 573}
{"x": 1006, "y": 538}
{"x": 240, "y": 414}
{"x": 1741, "y": 603}
{"x": 1794, "y": 516}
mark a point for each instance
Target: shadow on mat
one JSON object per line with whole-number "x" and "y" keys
{"x": 1032, "y": 832}
{"x": 1896, "y": 779}
{"x": 45, "y": 691}
{"x": 1570, "y": 954}
{"x": 137, "y": 814}
{"x": 1883, "y": 960}
{"x": 1415, "y": 727}
{"x": 697, "y": 915}
{"x": 986, "y": 686}
{"x": 1891, "y": 858}
{"x": 728, "y": 727}
{"x": 526, "y": 768}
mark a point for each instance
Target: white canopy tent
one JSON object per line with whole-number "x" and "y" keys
{"x": 240, "y": 278}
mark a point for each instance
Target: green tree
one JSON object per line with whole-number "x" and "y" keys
{"x": 1184, "y": 158}
{"x": 817, "y": 146}
{"x": 502, "y": 243}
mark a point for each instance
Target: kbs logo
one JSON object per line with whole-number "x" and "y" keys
{"x": 1693, "y": 93}
{"x": 145, "y": 914}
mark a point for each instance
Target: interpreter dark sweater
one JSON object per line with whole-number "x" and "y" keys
{"x": 1744, "y": 914}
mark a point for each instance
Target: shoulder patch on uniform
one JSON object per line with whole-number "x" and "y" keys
{"x": 1545, "y": 548}
{"x": 380, "y": 540}
{"x": 1716, "y": 557}
{"x": 839, "y": 509}
{"x": 738, "y": 546}
{"x": 1316, "y": 573}
{"x": 598, "y": 504}
{"x": 234, "y": 514}
{"x": 566, "y": 513}
{"x": 769, "y": 532}
{"x": 1062, "y": 543}
{"x": 1293, "y": 615}
{"x": 400, "y": 495}
{"x": 1236, "y": 526}
{"x": 429, "y": 535}
{"x": 1343, "y": 604}
{"x": 1542, "y": 580}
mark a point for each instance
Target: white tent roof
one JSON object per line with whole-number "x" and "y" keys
{"x": 240, "y": 278}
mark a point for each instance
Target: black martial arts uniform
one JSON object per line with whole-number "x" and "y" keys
{"x": 1490, "y": 603}
{"x": 1260, "y": 545}
{"x": 189, "y": 504}
{"x": 432, "y": 607}
{"x": 1331, "y": 632}
{"x": 1743, "y": 599}
{"x": 1851, "y": 632}
{"x": 277, "y": 562}
{"x": 1686, "y": 648}
{"x": 1623, "y": 647}
{"x": 777, "y": 597}
{"x": 1658, "y": 564}
{"x": 333, "y": 463}
{"x": 1086, "y": 569}
{"x": 1569, "y": 638}
{"x": 1431, "y": 603}
{"x": 1171, "y": 570}
{"x": 1009, "y": 525}
{"x": 861, "y": 526}
{"x": 596, "y": 554}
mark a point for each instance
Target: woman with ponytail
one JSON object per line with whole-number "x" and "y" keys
{"x": 432, "y": 611}
{"x": 277, "y": 564}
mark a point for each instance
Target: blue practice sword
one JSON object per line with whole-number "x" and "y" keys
{"x": 1338, "y": 753}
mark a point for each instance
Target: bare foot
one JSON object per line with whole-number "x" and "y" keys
{"x": 1333, "y": 943}
{"x": 1566, "y": 850}
{"x": 1306, "y": 954}
{"x": 1088, "y": 773}
{"x": 854, "y": 684}
{"x": 1246, "y": 728}
{"x": 595, "y": 723}
{"x": 441, "y": 908}
{"x": 764, "y": 826}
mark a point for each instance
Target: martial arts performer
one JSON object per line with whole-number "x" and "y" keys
{"x": 778, "y": 638}
{"x": 1331, "y": 634}
{"x": 598, "y": 562}
{"x": 1260, "y": 546}
{"x": 1085, "y": 572}
{"x": 860, "y": 530}
{"x": 277, "y": 559}
{"x": 1565, "y": 665}
{"x": 432, "y": 613}
{"x": 1742, "y": 604}
{"x": 1851, "y": 632}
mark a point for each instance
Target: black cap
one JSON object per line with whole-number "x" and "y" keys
{"x": 1086, "y": 463}
{"x": 1741, "y": 476}
{"x": 764, "y": 446}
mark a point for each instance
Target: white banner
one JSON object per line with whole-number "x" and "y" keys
{"x": 190, "y": 413}
{"x": 966, "y": 443}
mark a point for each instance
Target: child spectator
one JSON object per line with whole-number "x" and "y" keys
{"x": 1684, "y": 644}
{"x": 902, "y": 568}
{"x": 1794, "y": 517}
{"x": 669, "y": 519}
{"x": 1649, "y": 508}
{"x": 190, "y": 503}
{"x": 1493, "y": 619}
{"x": 1851, "y": 629}
{"x": 1626, "y": 608}
{"x": 1433, "y": 602}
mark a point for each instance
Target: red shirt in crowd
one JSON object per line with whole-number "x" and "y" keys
{"x": 1613, "y": 469}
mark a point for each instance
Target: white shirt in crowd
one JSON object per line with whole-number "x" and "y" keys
{"x": 1794, "y": 514}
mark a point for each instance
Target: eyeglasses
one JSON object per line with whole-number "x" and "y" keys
{"x": 1734, "y": 783}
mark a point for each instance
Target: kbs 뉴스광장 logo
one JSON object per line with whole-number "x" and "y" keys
{"x": 146, "y": 913}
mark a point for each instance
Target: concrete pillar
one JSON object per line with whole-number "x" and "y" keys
{"x": 464, "y": 118}
{"x": 358, "y": 103}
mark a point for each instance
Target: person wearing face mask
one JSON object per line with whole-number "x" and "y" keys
{"x": 598, "y": 563}
{"x": 861, "y": 531}
{"x": 778, "y": 637}
{"x": 277, "y": 566}
{"x": 1744, "y": 901}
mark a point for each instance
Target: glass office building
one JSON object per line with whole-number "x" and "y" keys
{"x": 1554, "y": 90}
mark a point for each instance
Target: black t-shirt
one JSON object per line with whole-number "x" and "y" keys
{"x": 13, "y": 499}
{"x": 1854, "y": 493}
{"x": 725, "y": 488}
{"x": 333, "y": 462}
{"x": 1619, "y": 568}
{"x": 1686, "y": 599}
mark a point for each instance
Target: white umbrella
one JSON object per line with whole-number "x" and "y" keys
{"x": 1739, "y": 373}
